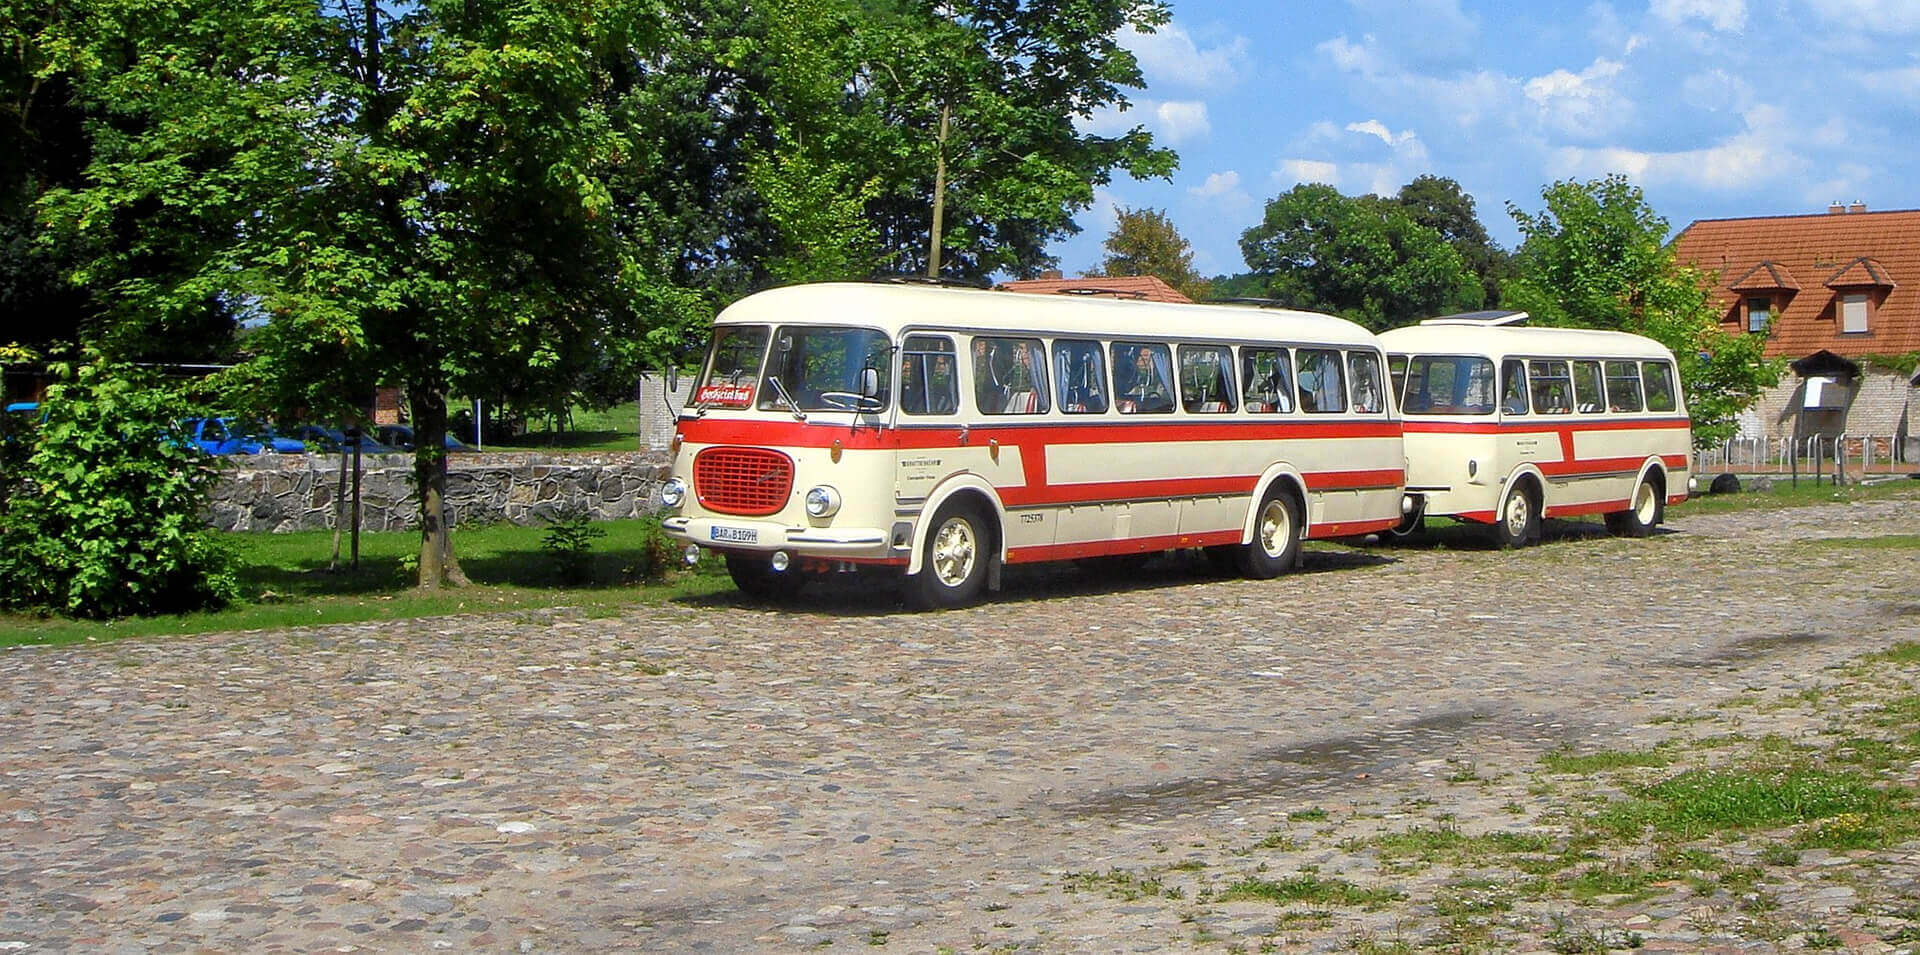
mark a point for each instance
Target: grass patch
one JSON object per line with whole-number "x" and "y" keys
{"x": 614, "y": 429}
{"x": 1702, "y": 802}
{"x": 1566, "y": 761}
{"x": 1783, "y": 494}
{"x": 1883, "y": 542}
{"x": 1116, "y": 884}
{"x": 1311, "y": 889}
{"x": 285, "y": 583}
{"x": 1906, "y": 652}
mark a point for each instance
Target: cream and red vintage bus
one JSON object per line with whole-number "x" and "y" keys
{"x": 946, "y": 432}
{"x": 1507, "y": 425}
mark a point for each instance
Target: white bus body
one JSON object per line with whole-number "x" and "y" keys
{"x": 1507, "y": 425}
{"x": 1058, "y": 427}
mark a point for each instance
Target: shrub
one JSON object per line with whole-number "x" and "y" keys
{"x": 106, "y": 520}
{"x": 570, "y": 539}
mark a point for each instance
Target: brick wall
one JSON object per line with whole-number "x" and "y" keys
{"x": 656, "y": 424}
{"x": 1879, "y": 403}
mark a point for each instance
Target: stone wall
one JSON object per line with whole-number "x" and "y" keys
{"x": 291, "y": 492}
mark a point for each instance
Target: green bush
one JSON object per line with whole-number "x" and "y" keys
{"x": 569, "y": 539}
{"x": 106, "y": 516}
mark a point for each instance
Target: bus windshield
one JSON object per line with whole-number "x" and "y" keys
{"x": 1448, "y": 384}
{"x": 732, "y": 367}
{"x": 819, "y": 369}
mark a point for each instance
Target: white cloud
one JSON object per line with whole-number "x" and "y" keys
{"x": 1870, "y": 16}
{"x": 1761, "y": 153}
{"x": 1363, "y": 57}
{"x": 1584, "y": 103}
{"x": 1903, "y": 82}
{"x": 1182, "y": 121}
{"x": 1445, "y": 35}
{"x": 1716, "y": 91}
{"x": 1726, "y": 16}
{"x": 1307, "y": 170}
{"x": 1169, "y": 55}
{"x": 1217, "y": 184}
{"x": 1374, "y": 127}
{"x": 1465, "y": 98}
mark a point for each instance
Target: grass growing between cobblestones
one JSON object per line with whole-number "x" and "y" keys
{"x": 286, "y": 582}
{"x": 1784, "y": 494}
{"x": 1716, "y": 823}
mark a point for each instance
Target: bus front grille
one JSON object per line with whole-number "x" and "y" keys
{"x": 748, "y": 481}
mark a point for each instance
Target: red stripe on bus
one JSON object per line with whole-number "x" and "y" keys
{"x": 1039, "y": 494}
{"x": 1131, "y": 545}
{"x": 1589, "y": 507}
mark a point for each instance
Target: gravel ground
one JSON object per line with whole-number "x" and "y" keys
{"x": 719, "y": 776}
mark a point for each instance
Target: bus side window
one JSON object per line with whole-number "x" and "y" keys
{"x": 927, "y": 382}
{"x": 1080, "y": 375}
{"x": 1658, "y": 376}
{"x": 1269, "y": 380}
{"x": 1368, "y": 397}
{"x": 1623, "y": 386}
{"x": 1552, "y": 387}
{"x": 1143, "y": 378}
{"x": 1323, "y": 389}
{"x": 1206, "y": 379}
{"x": 1587, "y": 396}
{"x": 1009, "y": 376}
{"x": 1513, "y": 391}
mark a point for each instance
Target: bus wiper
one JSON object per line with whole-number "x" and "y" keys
{"x": 792, "y": 405}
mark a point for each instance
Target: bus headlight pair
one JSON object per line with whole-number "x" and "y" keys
{"x": 823, "y": 501}
{"x": 673, "y": 492}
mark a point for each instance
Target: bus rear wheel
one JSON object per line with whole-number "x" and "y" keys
{"x": 756, "y": 578}
{"x": 1276, "y": 538}
{"x": 1645, "y": 512}
{"x": 953, "y": 567}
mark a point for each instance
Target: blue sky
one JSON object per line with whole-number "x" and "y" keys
{"x": 1716, "y": 108}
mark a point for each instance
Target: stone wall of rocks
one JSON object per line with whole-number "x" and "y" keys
{"x": 294, "y": 492}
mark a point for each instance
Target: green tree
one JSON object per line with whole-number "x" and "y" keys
{"x": 106, "y": 517}
{"x": 1598, "y": 257}
{"x": 1144, "y": 242}
{"x": 1441, "y": 205}
{"x": 1364, "y": 258}
{"x": 417, "y": 194}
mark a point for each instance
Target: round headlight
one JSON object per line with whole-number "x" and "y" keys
{"x": 822, "y": 501}
{"x": 673, "y": 492}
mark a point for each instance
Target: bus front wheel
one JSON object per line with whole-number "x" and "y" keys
{"x": 1518, "y": 523}
{"x": 1276, "y": 538}
{"x": 953, "y": 567}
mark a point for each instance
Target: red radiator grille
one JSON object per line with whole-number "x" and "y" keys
{"x": 749, "y": 481}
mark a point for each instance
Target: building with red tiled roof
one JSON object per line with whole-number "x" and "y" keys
{"x": 1838, "y": 294}
{"x": 1145, "y": 288}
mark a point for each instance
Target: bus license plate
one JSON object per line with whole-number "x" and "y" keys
{"x": 734, "y": 535}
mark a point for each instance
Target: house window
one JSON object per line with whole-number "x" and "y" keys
{"x": 1853, "y": 314}
{"x": 1759, "y": 314}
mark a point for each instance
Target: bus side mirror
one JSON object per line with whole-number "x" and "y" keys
{"x": 869, "y": 382}
{"x": 673, "y": 377}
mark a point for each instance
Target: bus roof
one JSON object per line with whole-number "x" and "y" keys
{"x": 1500, "y": 341}
{"x": 893, "y": 308}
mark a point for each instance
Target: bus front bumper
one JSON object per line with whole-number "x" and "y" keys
{"x": 769, "y": 536}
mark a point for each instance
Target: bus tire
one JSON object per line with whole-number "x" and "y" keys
{"x": 1645, "y": 512}
{"x": 953, "y": 569}
{"x": 1276, "y": 537}
{"x": 1518, "y": 523}
{"x": 757, "y": 579}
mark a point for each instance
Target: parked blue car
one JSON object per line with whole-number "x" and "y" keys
{"x": 330, "y": 440}
{"x": 401, "y": 436}
{"x": 225, "y": 436}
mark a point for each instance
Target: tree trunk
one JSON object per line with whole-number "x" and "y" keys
{"x": 438, "y": 565}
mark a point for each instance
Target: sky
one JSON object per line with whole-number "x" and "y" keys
{"x": 1716, "y": 108}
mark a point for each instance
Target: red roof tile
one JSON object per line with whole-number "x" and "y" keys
{"x": 1766, "y": 276}
{"x": 1872, "y": 251}
{"x": 1146, "y": 288}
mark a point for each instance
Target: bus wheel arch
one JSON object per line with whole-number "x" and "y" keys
{"x": 1522, "y": 510}
{"x": 1276, "y": 525}
{"x": 974, "y": 492}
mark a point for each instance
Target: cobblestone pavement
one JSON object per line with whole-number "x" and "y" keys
{"x": 719, "y": 776}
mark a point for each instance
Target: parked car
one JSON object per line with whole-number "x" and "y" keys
{"x": 401, "y": 436}
{"x": 331, "y": 440}
{"x": 226, "y": 436}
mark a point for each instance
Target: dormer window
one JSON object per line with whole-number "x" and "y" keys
{"x": 1759, "y": 314}
{"x": 1854, "y": 309}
